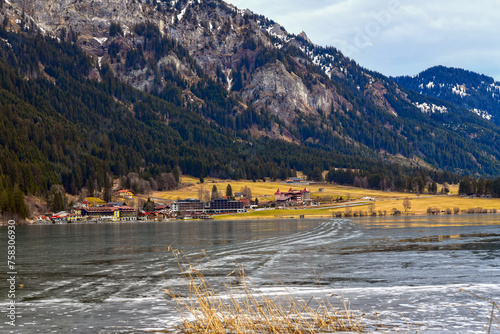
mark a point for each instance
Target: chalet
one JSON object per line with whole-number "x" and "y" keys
{"x": 246, "y": 202}
{"x": 295, "y": 196}
{"x": 125, "y": 193}
{"x": 156, "y": 216}
{"x": 161, "y": 207}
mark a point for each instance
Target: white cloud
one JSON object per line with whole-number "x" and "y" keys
{"x": 397, "y": 36}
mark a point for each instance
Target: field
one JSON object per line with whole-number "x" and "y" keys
{"x": 327, "y": 194}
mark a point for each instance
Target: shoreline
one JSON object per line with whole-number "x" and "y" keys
{"x": 224, "y": 218}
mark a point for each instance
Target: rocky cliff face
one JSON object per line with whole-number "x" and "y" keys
{"x": 217, "y": 35}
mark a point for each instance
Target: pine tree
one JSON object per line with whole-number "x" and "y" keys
{"x": 215, "y": 193}
{"x": 149, "y": 205}
{"x": 20, "y": 206}
{"x": 57, "y": 198}
{"x": 176, "y": 174}
{"x": 434, "y": 187}
{"x": 3, "y": 201}
{"x": 108, "y": 185}
{"x": 229, "y": 192}
{"x": 11, "y": 204}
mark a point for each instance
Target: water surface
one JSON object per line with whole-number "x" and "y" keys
{"x": 424, "y": 272}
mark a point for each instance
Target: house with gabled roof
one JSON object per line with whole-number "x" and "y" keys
{"x": 295, "y": 196}
{"x": 125, "y": 193}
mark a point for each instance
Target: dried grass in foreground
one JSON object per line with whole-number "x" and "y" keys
{"x": 243, "y": 308}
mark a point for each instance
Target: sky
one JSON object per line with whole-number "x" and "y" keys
{"x": 396, "y": 37}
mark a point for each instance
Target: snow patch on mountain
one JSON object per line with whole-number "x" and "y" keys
{"x": 101, "y": 40}
{"x": 427, "y": 108}
{"x": 460, "y": 90}
{"x": 181, "y": 15}
{"x": 482, "y": 113}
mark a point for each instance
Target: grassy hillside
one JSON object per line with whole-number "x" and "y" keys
{"x": 384, "y": 201}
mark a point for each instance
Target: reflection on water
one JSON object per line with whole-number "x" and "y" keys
{"x": 109, "y": 277}
{"x": 429, "y": 221}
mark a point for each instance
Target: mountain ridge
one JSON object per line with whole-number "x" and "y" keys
{"x": 475, "y": 92}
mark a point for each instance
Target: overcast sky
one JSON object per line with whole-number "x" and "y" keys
{"x": 396, "y": 37}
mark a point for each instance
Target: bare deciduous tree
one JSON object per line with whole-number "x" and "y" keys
{"x": 407, "y": 204}
{"x": 247, "y": 192}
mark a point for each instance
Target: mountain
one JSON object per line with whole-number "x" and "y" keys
{"x": 113, "y": 87}
{"x": 475, "y": 92}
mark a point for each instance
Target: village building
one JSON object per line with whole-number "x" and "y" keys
{"x": 84, "y": 204}
{"x": 152, "y": 216}
{"x": 161, "y": 207}
{"x": 126, "y": 213}
{"x": 246, "y": 202}
{"x": 125, "y": 193}
{"x": 59, "y": 216}
{"x": 188, "y": 206}
{"x": 116, "y": 204}
{"x": 194, "y": 207}
{"x": 294, "y": 180}
{"x": 103, "y": 213}
{"x": 99, "y": 213}
{"x": 293, "y": 196}
{"x": 224, "y": 205}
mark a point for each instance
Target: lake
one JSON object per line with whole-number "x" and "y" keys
{"x": 427, "y": 273}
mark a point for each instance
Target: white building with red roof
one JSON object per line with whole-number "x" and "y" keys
{"x": 125, "y": 193}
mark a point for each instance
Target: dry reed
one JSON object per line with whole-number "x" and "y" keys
{"x": 232, "y": 304}
{"x": 243, "y": 308}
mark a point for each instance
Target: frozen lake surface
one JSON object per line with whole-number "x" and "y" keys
{"x": 424, "y": 273}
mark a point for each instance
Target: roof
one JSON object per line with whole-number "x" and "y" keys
{"x": 101, "y": 209}
{"x": 278, "y": 192}
{"x": 125, "y": 191}
{"x": 125, "y": 208}
{"x": 110, "y": 204}
{"x": 155, "y": 213}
